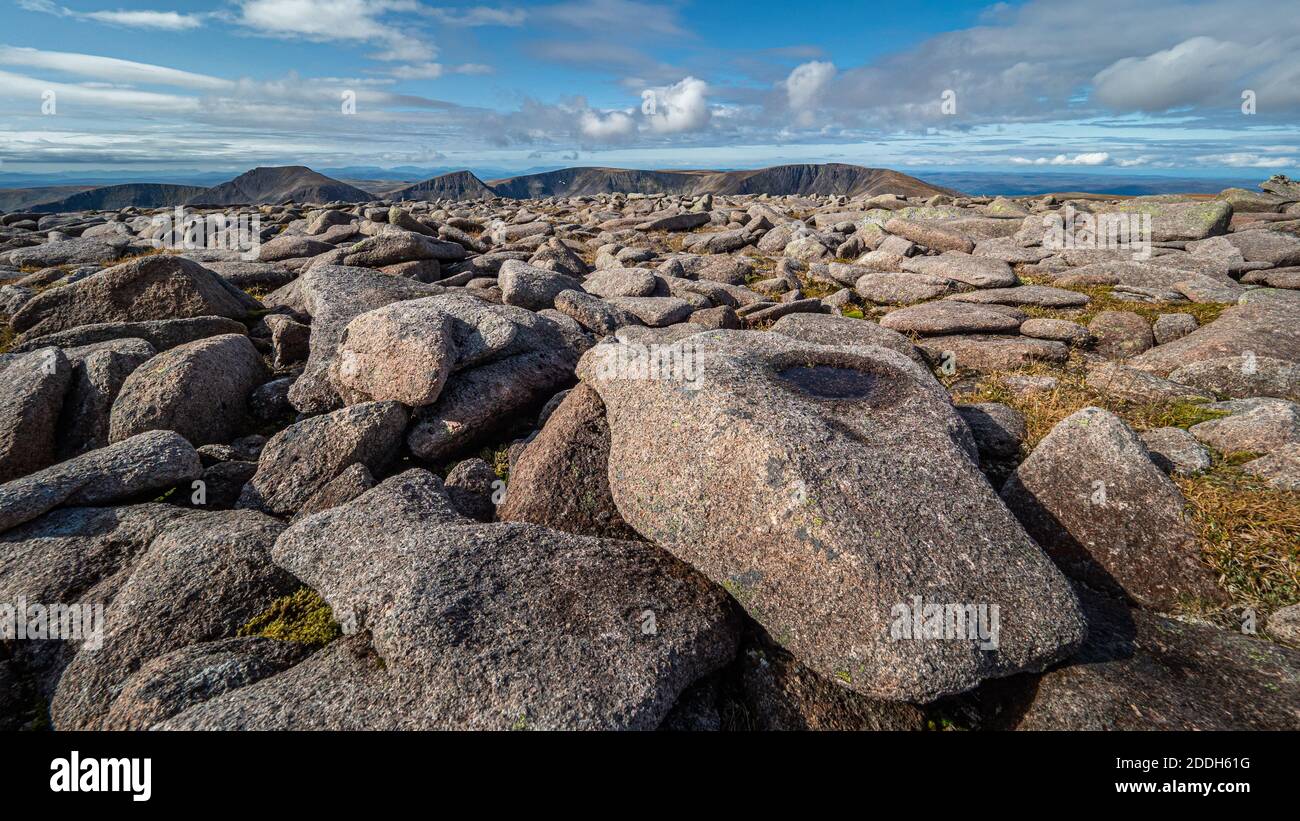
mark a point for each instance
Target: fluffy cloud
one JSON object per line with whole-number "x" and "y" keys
{"x": 339, "y": 20}
{"x": 682, "y": 106}
{"x": 1093, "y": 158}
{"x": 1198, "y": 70}
{"x": 806, "y": 83}
{"x": 606, "y": 127}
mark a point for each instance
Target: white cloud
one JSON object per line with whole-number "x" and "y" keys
{"x": 1194, "y": 71}
{"x": 1093, "y": 158}
{"x": 419, "y": 71}
{"x": 606, "y": 127}
{"x": 682, "y": 106}
{"x": 477, "y": 16}
{"x": 806, "y": 83}
{"x": 109, "y": 69}
{"x": 1246, "y": 160}
{"x": 339, "y": 20}
{"x": 138, "y": 18}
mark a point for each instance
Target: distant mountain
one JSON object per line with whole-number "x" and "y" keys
{"x": 781, "y": 180}
{"x": 113, "y": 197}
{"x": 458, "y": 185}
{"x": 275, "y": 185}
{"x": 823, "y": 179}
{"x": 24, "y": 199}
{"x": 572, "y": 182}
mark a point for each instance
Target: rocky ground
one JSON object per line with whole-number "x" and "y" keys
{"x": 408, "y": 468}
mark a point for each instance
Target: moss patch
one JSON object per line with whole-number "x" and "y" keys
{"x": 1104, "y": 299}
{"x": 303, "y": 617}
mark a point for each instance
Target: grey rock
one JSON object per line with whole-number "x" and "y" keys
{"x": 1121, "y": 334}
{"x": 1140, "y": 671}
{"x": 1280, "y": 468}
{"x": 532, "y": 288}
{"x": 1061, "y": 330}
{"x": 333, "y": 296}
{"x": 655, "y": 311}
{"x": 348, "y": 485}
{"x": 151, "y": 288}
{"x": 782, "y": 694}
{"x": 1257, "y": 426}
{"x": 561, "y": 479}
{"x": 1175, "y": 451}
{"x": 888, "y": 288}
{"x": 775, "y": 450}
{"x": 151, "y": 461}
{"x": 290, "y": 340}
{"x": 1239, "y": 377}
{"x": 167, "y": 684}
{"x": 988, "y": 352}
{"x": 1091, "y": 496}
{"x": 443, "y": 602}
{"x": 163, "y": 334}
{"x": 304, "y": 457}
{"x": 200, "y": 390}
{"x": 469, "y": 485}
{"x": 945, "y": 317}
{"x": 1169, "y": 327}
{"x": 1139, "y": 387}
{"x": 979, "y": 272}
{"x": 35, "y": 384}
{"x": 200, "y": 580}
{"x": 98, "y": 372}
{"x": 1041, "y": 295}
{"x": 616, "y": 282}
{"x": 821, "y": 329}
{"x": 1268, "y": 326}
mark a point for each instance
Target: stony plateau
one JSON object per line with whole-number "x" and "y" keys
{"x": 813, "y": 447}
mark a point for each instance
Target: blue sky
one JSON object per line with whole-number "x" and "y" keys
{"x": 1047, "y": 85}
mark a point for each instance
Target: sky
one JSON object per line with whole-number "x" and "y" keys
{"x": 1208, "y": 87}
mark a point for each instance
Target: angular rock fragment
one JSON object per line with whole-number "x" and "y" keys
{"x": 1091, "y": 496}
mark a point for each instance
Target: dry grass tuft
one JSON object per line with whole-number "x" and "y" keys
{"x": 1250, "y": 533}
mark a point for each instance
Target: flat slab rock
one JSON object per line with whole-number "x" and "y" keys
{"x": 948, "y": 317}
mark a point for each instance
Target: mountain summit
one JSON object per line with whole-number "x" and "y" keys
{"x": 279, "y": 184}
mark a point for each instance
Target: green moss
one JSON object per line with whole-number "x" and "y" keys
{"x": 1176, "y": 414}
{"x": 7, "y": 337}
{"x": 1103, "y": 298}
{"x": 303, "y": 617}
{"x": 499, "y": 459}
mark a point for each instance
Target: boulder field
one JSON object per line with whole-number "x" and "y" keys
{"x": 654, "y": 461}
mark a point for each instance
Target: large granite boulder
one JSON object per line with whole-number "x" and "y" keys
{"x": 833, "y": 492}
